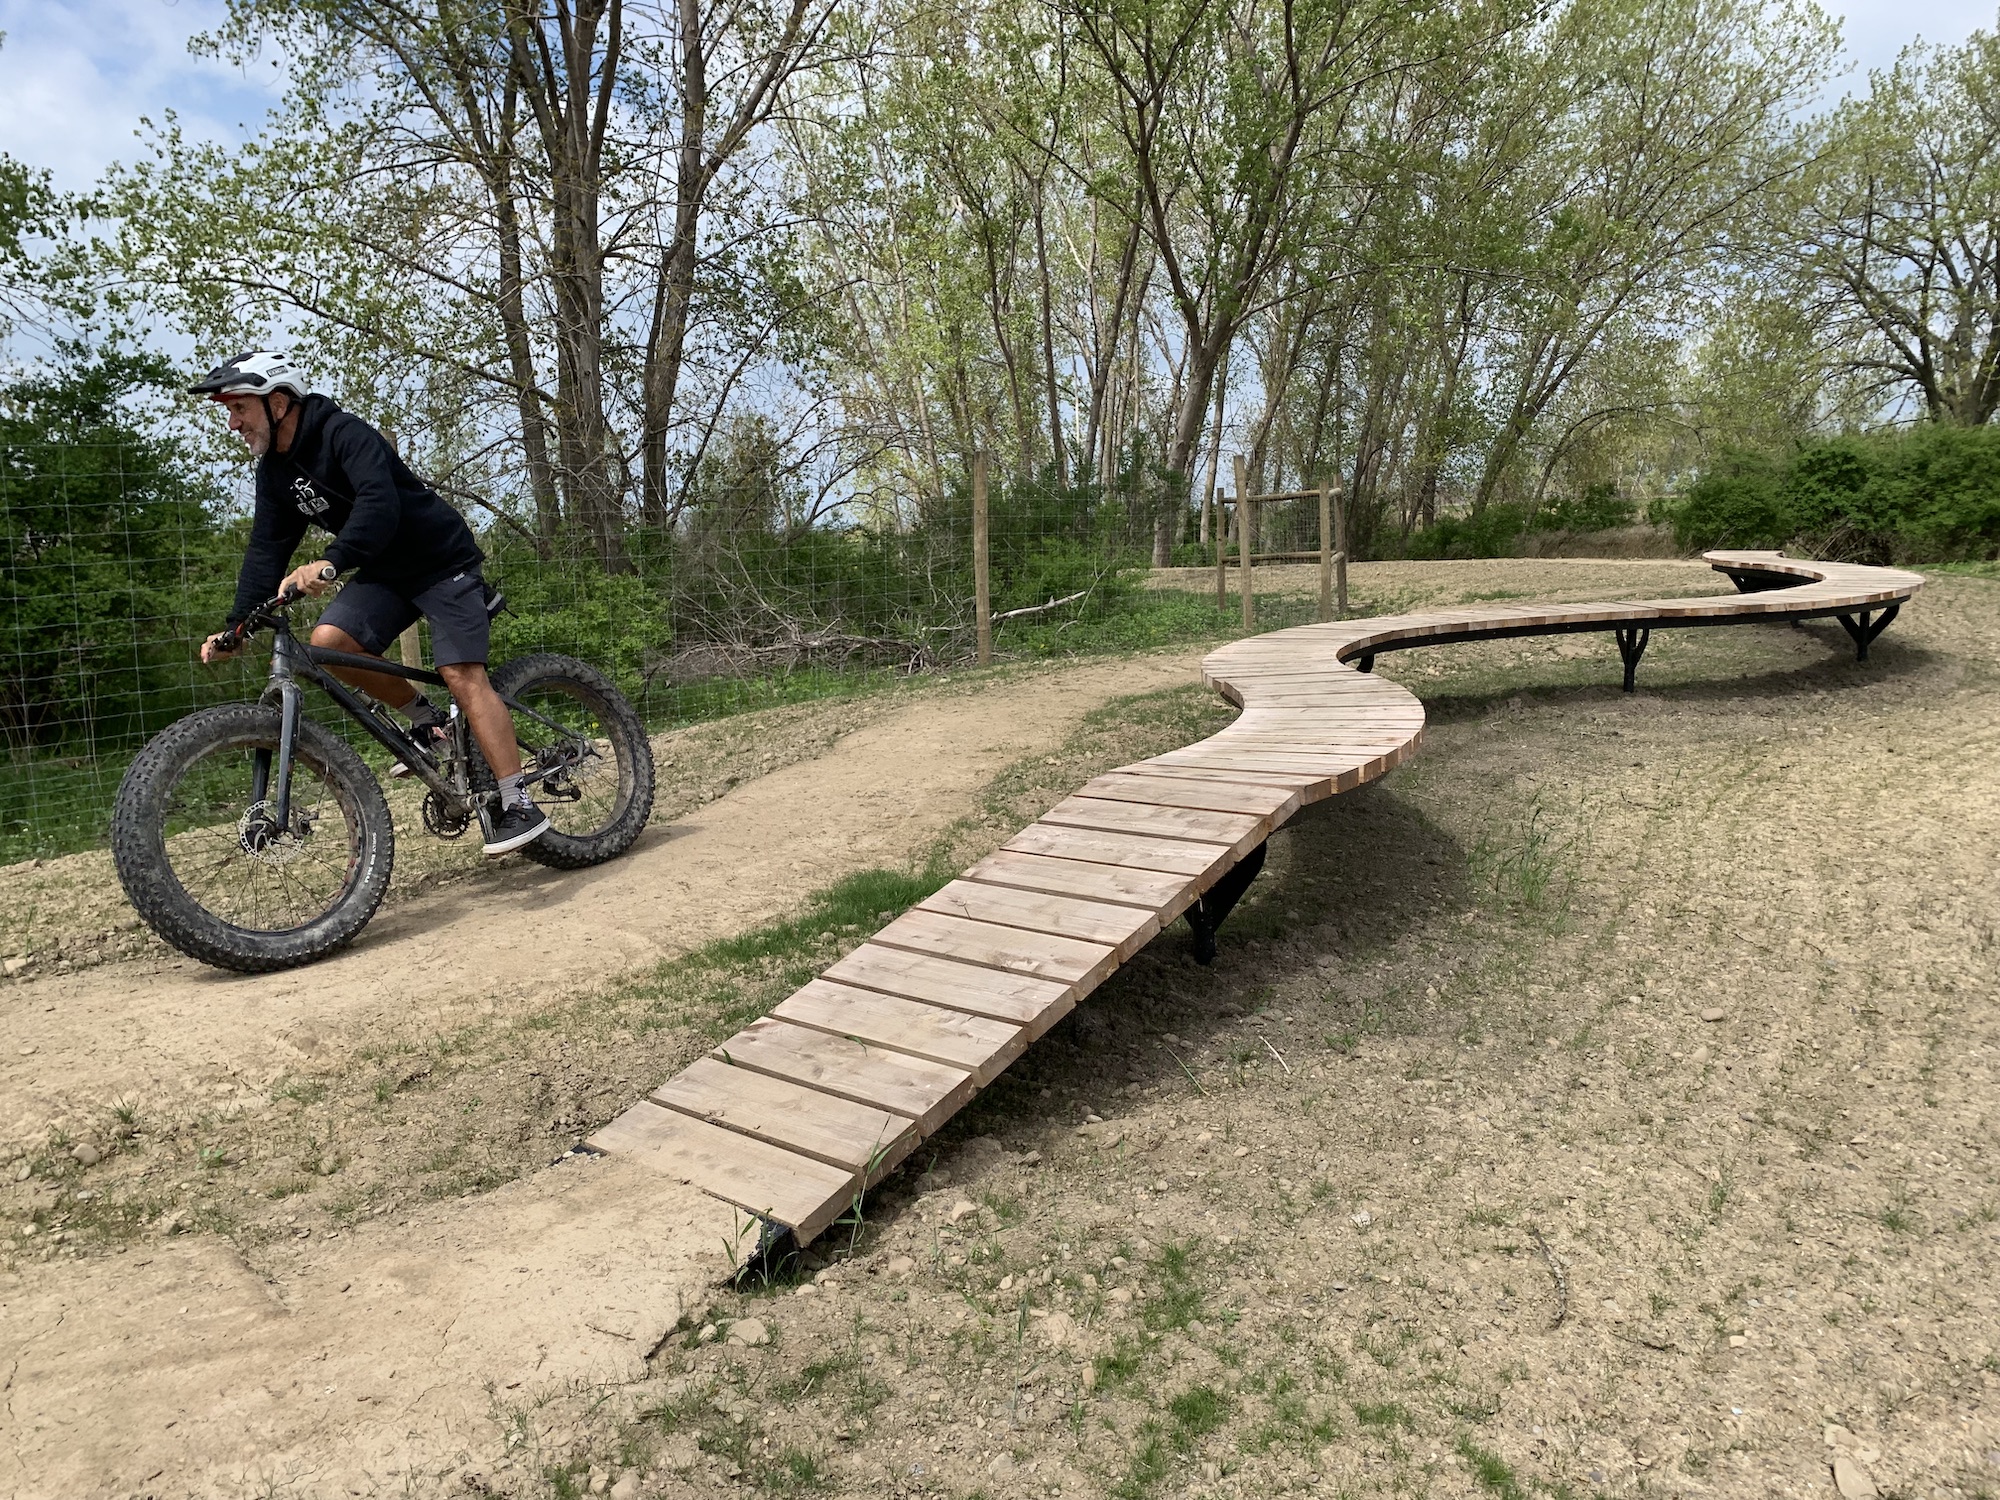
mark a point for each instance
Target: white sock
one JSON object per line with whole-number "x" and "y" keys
{"x": 512, "y": 793}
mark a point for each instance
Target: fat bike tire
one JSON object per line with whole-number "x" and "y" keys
{"x": 361, "y": 853}
{"x": 569, "y": 690}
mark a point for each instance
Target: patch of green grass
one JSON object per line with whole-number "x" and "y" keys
{"x": 815, "y": 1377}
{"x": 1195, "y": 1413}
{"x": 1531, "y": 864}
{"x": 1490, "y": 1471}
{"x": 1384, "y": 1415}
{"x": 1117, "y": 1367}
{"x": 1176, "y": 1300}
{"x": 1151, "y": 1459}
{"x": 1898, "y": 1219}
{"x": 1719, "y": 1192}
{"x": 793, "y": 1471}
{"x": 865, "y": 899}
{"x": 1290, "y": 1421}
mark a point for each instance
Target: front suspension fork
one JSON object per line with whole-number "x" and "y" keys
{"x": 288, "y": 737}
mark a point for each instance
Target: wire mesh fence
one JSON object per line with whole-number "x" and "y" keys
{"x": 117, "y": 560}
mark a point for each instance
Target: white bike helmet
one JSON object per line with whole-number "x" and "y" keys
{"x": 255, "y": 372}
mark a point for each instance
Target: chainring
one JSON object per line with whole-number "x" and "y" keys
{"x": 444, "y": 819}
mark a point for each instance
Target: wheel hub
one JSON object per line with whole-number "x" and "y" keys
{"x": 264, "y": 840}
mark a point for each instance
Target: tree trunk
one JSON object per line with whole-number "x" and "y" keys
{"x": 521, "y": 364}
{"x": 1049, "y": 340}
{"x": 572, "y": 109}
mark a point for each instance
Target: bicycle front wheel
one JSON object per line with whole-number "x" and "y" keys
{"x": 202, "y": 855}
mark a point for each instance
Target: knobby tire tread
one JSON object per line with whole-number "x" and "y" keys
{"x": 139, "y": 853}
{"x": 560, "y": 851}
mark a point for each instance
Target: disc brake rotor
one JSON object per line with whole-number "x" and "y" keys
{"x": 260, "y": 837}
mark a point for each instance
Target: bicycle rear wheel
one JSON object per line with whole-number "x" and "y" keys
{"x": 200, "y": 852}
{"x": 575, "y": 727}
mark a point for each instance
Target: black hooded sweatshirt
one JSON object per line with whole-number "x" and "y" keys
{"x": 341, "y": 475}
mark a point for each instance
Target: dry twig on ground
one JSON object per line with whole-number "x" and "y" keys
{"x": 1560, "y": 1276}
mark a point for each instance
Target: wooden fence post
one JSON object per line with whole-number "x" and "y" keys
{"x": 1325, "y": 553}
{"x": 1246, "y": 539}
{"x": 982, "y": 584}
{"x": 410, "y": 644}
{"x": 1340, "y": 544}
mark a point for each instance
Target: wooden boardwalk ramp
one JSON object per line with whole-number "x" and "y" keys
{"x": 795, "y": 1115}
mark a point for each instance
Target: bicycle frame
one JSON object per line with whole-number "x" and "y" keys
{"x": 293, "y": 661}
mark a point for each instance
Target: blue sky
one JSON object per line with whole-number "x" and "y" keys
{"x": 76, "y": 75}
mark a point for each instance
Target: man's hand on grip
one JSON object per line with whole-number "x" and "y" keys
{"x": 221, "y": 646}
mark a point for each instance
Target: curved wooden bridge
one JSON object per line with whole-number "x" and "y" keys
{"x": 794, "y": 1116}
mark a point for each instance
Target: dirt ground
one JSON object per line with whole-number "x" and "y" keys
{"x": 1601, "y": 1105}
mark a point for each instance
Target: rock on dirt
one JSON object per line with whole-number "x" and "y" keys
{"x": 1851, "y": 1479}
{"x": 750, "y": 1332}
{"x": 1715, "y": 1013}
{"x": 900, "y": 1266}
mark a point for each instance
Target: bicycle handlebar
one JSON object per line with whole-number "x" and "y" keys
{"x": 247, "y": 626}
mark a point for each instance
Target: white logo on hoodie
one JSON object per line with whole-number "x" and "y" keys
{"x": 309, "y": 500}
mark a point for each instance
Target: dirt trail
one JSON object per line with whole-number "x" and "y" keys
{"x": 379, "y": 1359}
{"x": 383, "y": 1365}
{"x": 140, "y": 1028}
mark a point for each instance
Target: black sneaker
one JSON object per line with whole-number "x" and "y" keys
{"x": 431, "y": 738}
{"x": 514, "y": 827}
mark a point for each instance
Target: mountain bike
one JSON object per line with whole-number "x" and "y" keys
{"x": 252, "y": 838}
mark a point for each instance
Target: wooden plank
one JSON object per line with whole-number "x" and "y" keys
{"x": 926, "y": 1092}
{"x": 1265, "y": 802}
{"x": 980, "y": 1046}
{"x": 796, "y": 1191}
{"x": 1241, "y": 831}
{"x": 1147, "y": 889}
{"x": 1018, "y": 998}
{"x": 1350, "y": 774}
{"x": 1125, "y": 929}
{"x": 1302, "y": 781}
{"x": 1134, "y": 851}
{"x": 1229, "y": 758}
{"x": 837, "y": 1131}
{"x": 1041, "y": 953}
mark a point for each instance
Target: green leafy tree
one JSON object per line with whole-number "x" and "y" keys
{"x": 1900, "y": 229}
{"x": 110, "y": 561}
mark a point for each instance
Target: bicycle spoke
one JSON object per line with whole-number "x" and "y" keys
{"x": 287, "y": 882}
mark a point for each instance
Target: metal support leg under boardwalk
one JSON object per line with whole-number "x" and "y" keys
{"x": 1864, "y": 627}
{"x": 1219, "y": 900}
{"x": 1631, "y": 646}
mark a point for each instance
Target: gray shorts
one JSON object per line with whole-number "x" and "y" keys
{"x": 375, "y": 614}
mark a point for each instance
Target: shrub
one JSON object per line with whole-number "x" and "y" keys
{"x": 1929, "y": 494}
{"x": 1492, "y": 532}
{"x": 1598, "y": 508}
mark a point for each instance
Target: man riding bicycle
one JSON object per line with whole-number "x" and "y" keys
{"x": 411, "y": 556}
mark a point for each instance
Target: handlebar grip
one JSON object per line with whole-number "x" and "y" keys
{"x": 329, "y": 573}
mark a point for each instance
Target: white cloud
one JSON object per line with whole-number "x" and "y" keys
{"x": 76, "y": 76}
